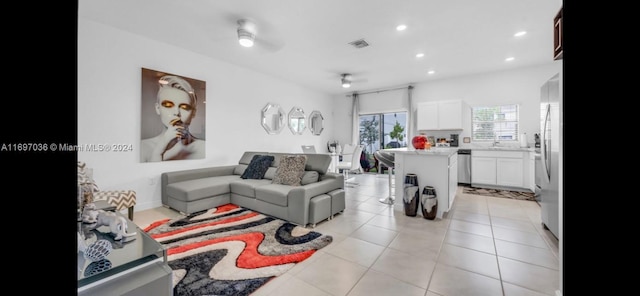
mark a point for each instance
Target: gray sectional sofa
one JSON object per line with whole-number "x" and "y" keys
{"x": 320, "y": 196}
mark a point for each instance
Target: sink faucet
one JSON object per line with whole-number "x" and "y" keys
{"x": 495, "y": 141}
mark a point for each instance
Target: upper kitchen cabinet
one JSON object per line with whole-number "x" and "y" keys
{"x": 440, "y": 115}
{"x": 557, "y": 36}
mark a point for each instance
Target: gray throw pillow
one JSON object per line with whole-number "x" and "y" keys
{"x": 290, "y": 170}
{"x": 257, "y": 167}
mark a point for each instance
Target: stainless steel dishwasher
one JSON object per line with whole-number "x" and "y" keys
{"x": 464, "y": 166}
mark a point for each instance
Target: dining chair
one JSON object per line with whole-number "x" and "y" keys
{"x": 353, "y": 164}
{"x": 309, "y": 149}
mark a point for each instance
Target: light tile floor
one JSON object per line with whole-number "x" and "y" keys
{"x": 483, "y": 246}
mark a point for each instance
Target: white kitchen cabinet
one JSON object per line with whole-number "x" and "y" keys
{"x": 453, "y": 178}
{"x": 498, "y": 168}
{"x": 483, "y": 170}
{"x": 509, "y": 172}
{"x": 440, "y": 115}
{"x": 427, "y": 116}
{"x": 530, "y": 172}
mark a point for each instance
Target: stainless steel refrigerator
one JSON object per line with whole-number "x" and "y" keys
{"x": 548, "y": 174}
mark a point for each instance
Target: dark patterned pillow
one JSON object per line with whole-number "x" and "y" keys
{"x": 290, "y": 170}
{"x": 257, "y": 167}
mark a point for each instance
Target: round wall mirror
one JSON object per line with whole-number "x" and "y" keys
{"x": 273, "y": 118}
{"x": 297, "y": 120}
{"x": 316, "y": 123}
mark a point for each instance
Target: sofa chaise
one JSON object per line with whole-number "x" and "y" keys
{"x": 319, "y": 195}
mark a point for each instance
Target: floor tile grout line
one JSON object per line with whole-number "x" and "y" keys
{"x": 495, "y": 247}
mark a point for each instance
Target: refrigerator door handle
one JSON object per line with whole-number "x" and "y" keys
{"x": 543, "y": 150}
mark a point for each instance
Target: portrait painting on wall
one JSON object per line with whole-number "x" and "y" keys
{"x": 173, "y": 117}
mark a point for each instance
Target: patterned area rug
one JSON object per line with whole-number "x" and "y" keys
{"x": 500, "y": 193}
{"x": 230, "y": 250}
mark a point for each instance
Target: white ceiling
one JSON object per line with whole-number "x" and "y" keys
{"x": 307, "y": 42}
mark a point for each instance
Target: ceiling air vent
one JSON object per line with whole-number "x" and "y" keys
{"x": 359, "y": 43}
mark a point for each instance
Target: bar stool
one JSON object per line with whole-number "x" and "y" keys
{"x": 387, "y": 159}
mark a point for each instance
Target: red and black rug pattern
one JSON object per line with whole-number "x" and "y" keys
{"x": 230, "y": 250}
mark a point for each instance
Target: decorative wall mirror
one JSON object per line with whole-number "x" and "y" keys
{"x": 297, "y": 120}
{"x": 316, "y": 123}
{"x": 273, "y": 118}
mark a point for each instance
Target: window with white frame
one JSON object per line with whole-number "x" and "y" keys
{"x": 495, "y": 123}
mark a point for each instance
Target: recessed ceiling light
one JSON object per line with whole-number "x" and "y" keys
{"x": 431, "y": 72}
{"x": 520, "y": 33}
{"x": 401, "y": 27}
{"x": 509, "y": 59}
{"x": 419, "y": 55}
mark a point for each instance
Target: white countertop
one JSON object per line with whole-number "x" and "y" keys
{"x": 447, "y": 151}
{"x": 435, "y": 151}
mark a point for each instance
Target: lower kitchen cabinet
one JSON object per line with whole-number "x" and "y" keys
{"x": 509, "y": 172}
{"x": 483, "y": 170}
{"x": 499, "y": 168}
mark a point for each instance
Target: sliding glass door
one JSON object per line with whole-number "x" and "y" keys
{"x": 381, "y": 131}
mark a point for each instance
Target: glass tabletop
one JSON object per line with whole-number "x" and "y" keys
{"x": 123, "y": 256}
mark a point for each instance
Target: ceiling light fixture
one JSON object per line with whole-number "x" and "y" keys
{"x": 509, "y": 59}
{"x": 431, "y": 72}
{"x": 246, "y": 33}
{"x": 521, "y": 33}
{"x": 401, "y": 27}
{"x": 419, "y": 55}
{"x": 346, "y": 80}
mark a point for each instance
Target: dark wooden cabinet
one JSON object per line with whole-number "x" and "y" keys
{"x": 557, "y": 36}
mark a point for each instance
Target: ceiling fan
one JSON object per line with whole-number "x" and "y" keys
{"x": 346, "y": 80}
{"x": 250, "y": 34}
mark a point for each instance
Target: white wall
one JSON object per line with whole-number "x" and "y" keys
{"x": 109, "y": 108}
{"x": 520, "y": 86}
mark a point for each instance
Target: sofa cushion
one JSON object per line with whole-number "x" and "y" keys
{"x": 290, "y": 170}
{"x": 196, "y": 189}
{"x": 257, "y": 167}
{"x": 239, "y": 169}
{"x": 309, "y": 177}
{"x": 247, "y": 187}
{"x": 276, "y": 194}
{"x": 271, "y": 172}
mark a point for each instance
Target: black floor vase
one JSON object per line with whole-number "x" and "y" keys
{"x": 429, "y": 202}
{"x": 411, "y": 198}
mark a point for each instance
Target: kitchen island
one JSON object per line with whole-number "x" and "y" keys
{"x": 436, "y": 167}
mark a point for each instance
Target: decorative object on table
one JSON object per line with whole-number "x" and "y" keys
{"x": 419, "y": 142}
{"x": 432, "y": 141}
{"x": 80, "y": 204}
{"x": 500, "y": 193}
{"x": 117, "y": 224}
{"x": 97, "y": 267}
{"x": 98, "y": 250}
{"x": 230, "y": 250}
{"x": 90, "y": 214}
{"x": 429, "y": 202}
{"x": 411, "y": 196}
{"x": 87, "y": 186}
